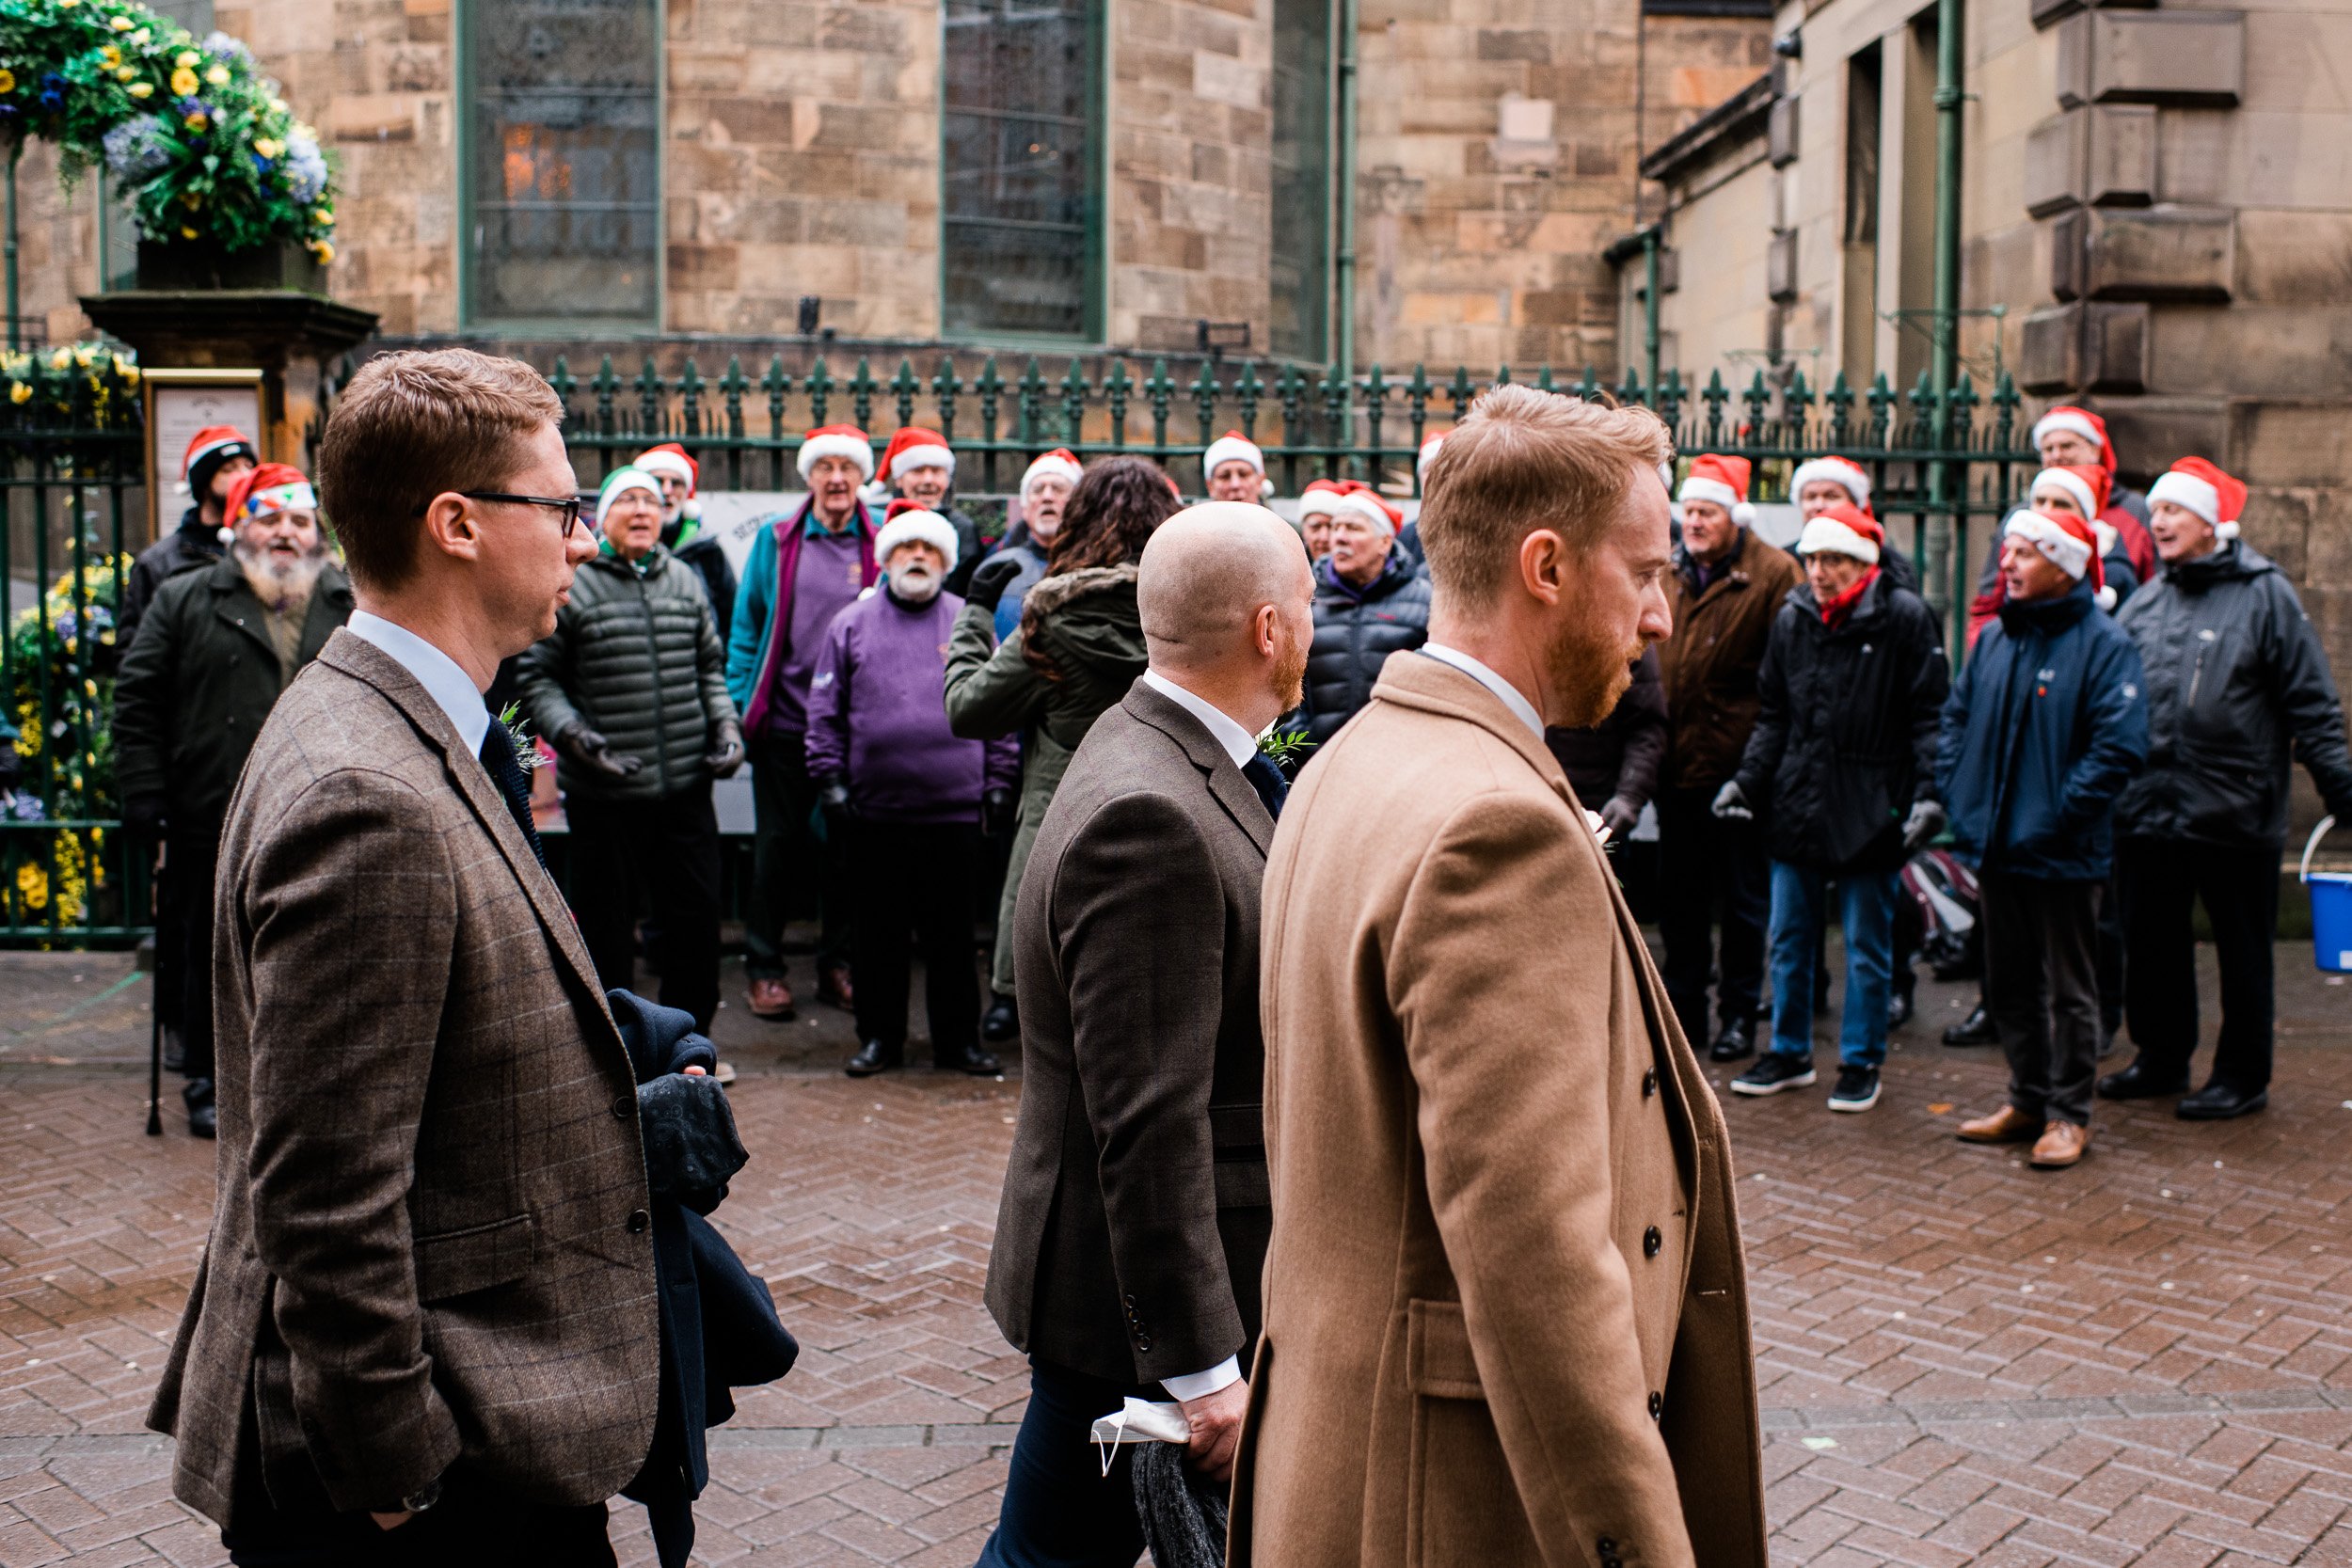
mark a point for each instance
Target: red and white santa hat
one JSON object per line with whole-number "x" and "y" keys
{"x": 1061, "y": 463}
{"x": 2069, "y": 543}
{"x": 836, "y": 440}
{"x": 208, "y": 448}
{"x": 1233, "y": 447}
{"x": 1363, "y": 502}
{"x": 908, "y": 522}
{"x": 2197, "y": 485}
{"x": 2077, "y": 421}
{"x": 914, "y": 447}
{"x": 1843, "y": 472}
{"x": 269, "y": 487}
{"x": 2086, "y": 484}
{"x": 673, "y": 461}
{"x": 1843, "y": 530}
{"x": 1426, "y": 455}
{"x": 1321, "y": 499}
{"x": 1722, "y": 481}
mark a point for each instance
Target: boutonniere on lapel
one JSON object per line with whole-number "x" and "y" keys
{"x": 527, "y": 754}
{"x": 1286, "y": 749}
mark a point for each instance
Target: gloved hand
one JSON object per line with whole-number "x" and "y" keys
{"x": 590, "y": 750}
{"x": 1620, "y": 815}
{"x": 1731, "y": 805}
{"x": 144, "y": 815}
{"x": 990, "y": 579}
{"x": 832, "y": 799}
{"x": 726, "y": 758}
{"x": 997, "y": 810}
{"x": 1926, "y": 820}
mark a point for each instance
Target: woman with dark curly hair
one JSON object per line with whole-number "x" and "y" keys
{"x": 1078, "y": 649}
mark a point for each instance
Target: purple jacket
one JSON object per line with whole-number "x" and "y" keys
{"x": 877, "y": 713}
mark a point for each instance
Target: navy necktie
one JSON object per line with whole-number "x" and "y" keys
{"x": 498, "y": 760}
{"x": 1269, "y": 782}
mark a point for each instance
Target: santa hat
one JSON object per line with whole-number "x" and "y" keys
{"x": 1061, "y": 463}
{"x": 1321, "y": 499}
{"x": 619, "y": 483}
{"x": 2086, "y": 484}
{"x": 2203, "y": 490}
{"x": 909, "y": 523}
{"x": 836, "y": 440}
{"x": 1365, "y": 502}
{"x": 208, "y": 448}
{"x": 1722, "y": 481}
{"x": 1843, "y": 530}
{"x": 2077, "y": 421}
{"x": 675, "y": 461}
{"x": 1234, "y": 447}
{"x": 1426, "y": 455}
{"x": 914, "y": 447}
{"x": 271, "y": 487}
{"x": 1841, "y": 471}
{"x": 2069, "y": 543}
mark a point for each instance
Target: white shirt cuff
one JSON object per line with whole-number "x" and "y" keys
{"x": 1199, "y": 1385}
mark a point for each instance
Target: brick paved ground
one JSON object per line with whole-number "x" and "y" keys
{"x": 2145, "y": 1361}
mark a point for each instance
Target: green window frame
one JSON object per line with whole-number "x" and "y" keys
{"x": 1299, "y": 299}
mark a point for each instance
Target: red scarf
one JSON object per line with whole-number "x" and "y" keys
{"x": 1834, "y": 612}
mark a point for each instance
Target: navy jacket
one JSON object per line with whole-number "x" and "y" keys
{"x": 2046, "y": 722}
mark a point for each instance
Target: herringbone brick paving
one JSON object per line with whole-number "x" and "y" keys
{"x": 1962, "y": 1361}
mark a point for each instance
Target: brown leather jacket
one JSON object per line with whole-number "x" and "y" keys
{"x": 1710, "y": 660}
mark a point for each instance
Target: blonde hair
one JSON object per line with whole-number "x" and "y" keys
{"x": 412, "y": 425}
{"x": 1523, "y": 460}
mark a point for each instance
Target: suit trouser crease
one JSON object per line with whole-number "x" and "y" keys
{"x": 1710, "y": 870}
{"x": 2159, "y": 883}
{"x": 789, "y": 845}
{"x": 2042, "y": 988}
{"x": 914, "y": 893}
{"x": 1799, "y": 916}
{"x": 663, "y": 854}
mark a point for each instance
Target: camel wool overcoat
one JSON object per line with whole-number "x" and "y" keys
{"x": 1506, "y": 1317}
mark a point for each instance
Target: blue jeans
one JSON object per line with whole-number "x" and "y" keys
{"x": 1060, "y": 1510}
{"x": 1800, "y": 900}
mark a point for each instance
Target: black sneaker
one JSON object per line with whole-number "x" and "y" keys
{"x": 1775, "y": 1072}
{"x": 1857, "y": 1089}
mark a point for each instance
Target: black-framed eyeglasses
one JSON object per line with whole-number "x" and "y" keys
{"x": 569, "y": 505}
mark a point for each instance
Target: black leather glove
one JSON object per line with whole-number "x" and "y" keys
{"x": 1926, "y": 820}
{"x": 726, "y": 758}
{"x": 1620, "y": 815}
{"x": 990, "y": 579}
{"x": 144, "y": 815}
{"x": 590, "y": 750}
{"x": 998, "y": 810}
{"x": 832, "y": 799}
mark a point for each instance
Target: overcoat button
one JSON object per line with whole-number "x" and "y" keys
{"x": 639, "y": 1220}
{"x": 1649, "y": 1083}
{"x": 1651, "y": 1242}
{"x": 1657, "y": 1405}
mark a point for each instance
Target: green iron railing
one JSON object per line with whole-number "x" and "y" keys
{"x": 74, "y": 475}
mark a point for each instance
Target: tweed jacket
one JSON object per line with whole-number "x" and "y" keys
{"x": 1506, "y": 1310}
{"x": 431, "y": 1238}
{"x": 1134, "y": 1220}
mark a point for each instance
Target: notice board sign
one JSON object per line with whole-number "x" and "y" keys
{"x": 180, "y": 403}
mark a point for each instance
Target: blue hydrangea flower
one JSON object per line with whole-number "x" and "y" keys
{"x": 138, "y": 150}
{"x": 305, "y": 169}
{"x": 220, "y": 46}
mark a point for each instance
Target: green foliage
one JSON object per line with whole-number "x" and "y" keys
{"x": 198, "y": 138}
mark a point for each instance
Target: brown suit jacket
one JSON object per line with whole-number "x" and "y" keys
{"x": 430, "y": 1239}
{"x": 1709, "y": 664}
{"x": 1506, "y": 1310}
{"x": 1134, "y": 1220}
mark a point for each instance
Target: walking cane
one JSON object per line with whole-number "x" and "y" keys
{"x": 155, "y": 1042}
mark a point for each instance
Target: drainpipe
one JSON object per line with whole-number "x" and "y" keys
{"x": 1344, "y": 251}
{"x": 16, "y": 150}
{"x": 1649, "y": 308}
{"x": 1947, "y": 527}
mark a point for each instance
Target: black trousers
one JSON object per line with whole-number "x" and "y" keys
{"x": 1708, "y": 869}
{"x": 191, "y": 863}
{"x": 472, "y": 1522}
{"x": 1061, "y": 1509}
{"x": 667, "y": 851}
{"x": 2160, "y": 882}
{"x": 2042, "y": 988}
{"x": 789, "y": 845}
{"x": 914, "y": 886}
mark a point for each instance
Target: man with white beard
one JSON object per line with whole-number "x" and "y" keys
{"x": 907, "y": 797}
{"x": 213, "y": 653}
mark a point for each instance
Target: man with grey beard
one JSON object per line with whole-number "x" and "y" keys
{"x": 213, "y": 653}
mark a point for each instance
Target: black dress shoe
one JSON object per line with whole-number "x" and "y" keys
{"x": 2140, "y": 1081}
{"x": 2220, "y": 1102}
{"x": 873, "y": 1057}
{"x": 1002, "y": 1022}
{"x": 1898, "y": 1006}
{"x": 204, "y": 1117}
{"x": 175, "y": 1050}
{"x": 1736, "y": 1041}
{"x": 1976, "y": 1029}
{"x": 971, "y": 1059}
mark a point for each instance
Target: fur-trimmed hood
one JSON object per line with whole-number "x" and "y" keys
{"x": 1086, "y": 618}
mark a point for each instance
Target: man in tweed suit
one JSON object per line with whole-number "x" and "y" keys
{"x": 425, "y": 1328}
{"x": 1135, "y": 1216}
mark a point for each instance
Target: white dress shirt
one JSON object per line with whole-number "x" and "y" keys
{"x": 1511, "y": 695}
{"x": 1241, "y": 746}
{"x": 438, "y": 673}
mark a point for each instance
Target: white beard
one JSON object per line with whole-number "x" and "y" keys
{"x": 282, "y": 585}
{"x": 914, "y": 587}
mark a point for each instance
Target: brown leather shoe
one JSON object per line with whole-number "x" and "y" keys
{"x": 2008, "y": 1125}
{"x": 833, "y": 985}
{"x": 770, "y": 999}
{"x": 2061, "y": 1144}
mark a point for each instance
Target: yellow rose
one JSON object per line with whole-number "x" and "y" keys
{"x": 324, "y": 217}
{"x": 124, "y": 24}
{"x": 187, "y": 233}
{"x": 123, "y": 73}
{"x": 265, "y": 147}
{"x": 197, "y": 122}
{"x": 141, "y": 38}
{"x": 140, "y": 90}
{"x": 8, "y": 80}
{"x": 110, "y": 57}
{"x": 184, "y": 82}
{"x": 325, "y": 252}
{"x": 217, "y": 74}
{"x": 188, "y": 57}
{"x": 18, "y": 392}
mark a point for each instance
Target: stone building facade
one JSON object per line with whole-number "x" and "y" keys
{"x": 749, "y": 155}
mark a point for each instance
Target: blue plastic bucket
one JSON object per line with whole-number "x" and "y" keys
{"x": 2331, "y": 907}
